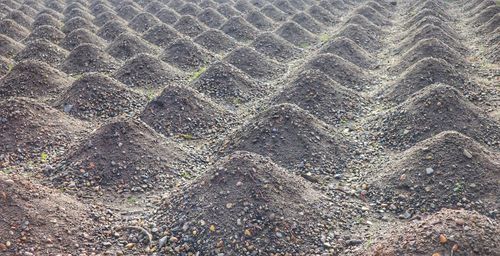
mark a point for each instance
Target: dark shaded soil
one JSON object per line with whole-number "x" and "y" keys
{"x": 368, "y": 41}
{"x": 262, "y": 209}
{"x": 89, "y": 58}
{"x": 46, "y": 220}
{"x": 77, "y": 23}
{"x": 296, "y": 35}
{"x": 81, "y": 36}
{"x": 428, "y": 32}
{"x": 42, "y": 50}
{"x": 216, "y": 41}
{"x": 161, "y": 35}
{"x": 9, "y": 47}
{"x": 260, "y": 21}
{"x": 168, "y": 16}
{"x": 189, "y": 26}
{"x": 309, "y": 142}
{"x": 275, "y": 47}
{"x": 307, "y": 22}
{"x": 181, "y": 111}
{"x": 143, "y": 22}
{"x": 5, "y": 66}
{"x": 322, "y": 15}
{"x": 432, "y": 110}
{"x": 185, "y": 55}
{"x": 146, "y": 71}
{"x": 127, "y": 45}
{"x": 373, "y": 15}
{"x": 211, "y": 18}
{"x": 46, "y": 32}
{"x": 97, "y": 96}
{"x": 423, "y": 73}
{"x": 239, "y": 29}
{"x": 47, "y": 20}
{"x": 311, "y": 90}
{"x": 274, "y": 13}
{"x": 349, "y": 50}
{"x": 33, "y": 79}
{"x": 124, "y": 154}
{"x": 227, "y": 84}
{"x": 447, "y": 170}
{"x": 472, "y": 233}
{"x": 254, "y": 63}
{"x": 343, "y": 72}
{"x": 112, "y": 29}
{"x": 24, "y": 122}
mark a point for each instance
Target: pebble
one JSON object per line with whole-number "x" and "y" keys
{"x": 467, "y": 154}
{"x": 9, "y": 182}
{"x": 429, "y": 171}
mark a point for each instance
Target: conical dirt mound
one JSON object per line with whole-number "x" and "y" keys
{"x": 81, "y": 36}
{"x": 439, "y": 173}
{"x": 99, "y": 96}
{"x": 432, "y": 110}
{"x": 89, "y": 58}
{"x": 182, "y": 111}
{"x": 254, "y": 64}
{"x": 146, "y": 71}
{"x": 309, "y": 142}
{"x": 9, "y": 47}
{"x": 49, "y": 221}
{"x": 127, "y": 45}
{"x": 463, "y": 233}
{"x": 33, "y": 79}
{"x": 245, "y": 203}
{"x": 275, "y": 47}
{"x": 23, "y": 124}
{"x": 349, "y": 50}
{"x": 123, "y": 153}
{"x": 185, "y": 55}
{"x": 321, "y": 96}
{"x": 227, "y": 84}
{"x": 42, "y": 50}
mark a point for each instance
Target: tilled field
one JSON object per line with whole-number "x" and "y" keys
{"x": 249, "y": 127}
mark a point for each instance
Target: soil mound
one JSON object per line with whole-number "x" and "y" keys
{"x": 307, "y": 22}
{"x": 154, "y": 6}
{"x": 184, "y": 112}
{"x": 5, "y": 66}
{"x": 254, "y": 64}
{"x": 423, "y": 73}
{"x": 76, "y": 23}
{"x": 322, "y": 15}
{"x": 42, "y": 50}
{"x": 239, "y": 29}
{"x": 143, "y": 22}
{"x": 340, "y": 70}
{"x": 13, "y": 30}
{"x": 124, "y": 154}
{"x": 372, "y": 15}
{"x": 185, "y": 55}
{"x": 98, "y": 96}
{"x": 9, "y": 47}
{"x": 48, "y": 33}
{"x": 349, "y": 50}
{"x": 275, "y": 47}
{"x": 243, "y": 6}
{"x": 366, "y": 24}
{"x": 23, "y": 122}
{"x": 285, "y": 6}
{"x": 47, "y": 20}
{"x": 112, "y": 29}
{"x": 369, "y": 41}
{"x": 379, "y": 8}
{"x": 440, "y": 17}
{"x": 274, "y": 13}
{"x": 20, "y": 18}
{"x": 432, "y": 110}
{"x": 105, "y": 17}
{"x": 189, "y": 26}
{"x": 296, "y": 35}
{"x": 81, "y": 36}
{"x": 227, "y": 10}
{"x": 227, "y": 84}
{"x": 429, "y": 48}
{"x": 485, "y": 15}
{"x": 89, "y": 58}
{"x": 33, "y": 79}
{"x": 127, "y": 45}
{"x": 468, "y": 231}
{"x": 189, "y": 9}
{"x": 438, "y": 173}
{"x": 128, "y": 12}
{"x": 211, "y": 18}
{"x": 321, "y": 96}
{"x": 428, "y": 32}
{"x": 261, "y": 208}
{"x": 309, "y": 143}
{"x": 216, "y": 41}
{"x": 40, "y": 215}
{"x": 146, "y": 71}
{"x": 259, "y": 20}
{"x": 161, "y": 35}
{"x": 168, "y": 16}
{"x": 490, "y": 26}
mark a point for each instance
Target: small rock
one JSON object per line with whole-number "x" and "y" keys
{"x": 353, "y": 242}
{"x": 467, "y": 154}
{"x": 429, "y": 171}
{"x": 9, "y": 182}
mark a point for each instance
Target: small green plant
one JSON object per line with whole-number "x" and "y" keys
{"x": 10, "y": 66}
{"x": 7, "y": 170}
{"x": 150, "y": 95}
{"x": 324, "y": 38}
{"x": 131, "y": 200}
{"x": 459, "y": 187}
{"x": 198, "y": 73}
{"x": 186, "y": 136}
{"x": 186, "y": 175}
{"x": 44, "y": 157}
{"x": 304, "y": 45}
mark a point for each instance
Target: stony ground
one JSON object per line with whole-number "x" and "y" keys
{"x": 249, "y": 127}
